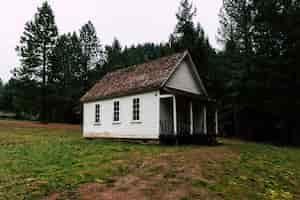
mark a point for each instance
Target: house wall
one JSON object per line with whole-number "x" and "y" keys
{"x": 184, "y": 79}
{"x": 147, "y": 128}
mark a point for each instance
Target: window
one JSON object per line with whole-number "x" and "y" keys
{"x": 116, "y": 111}
{"x": 97, "y": 113}
{"x": 136, "y": 109}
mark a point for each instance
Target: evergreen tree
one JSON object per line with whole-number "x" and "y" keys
{"x": 114, "y": 55}
{"x": 261, "y": 54}
{"x": 232, "y": 62}
{"x": 35, "y": 49}
{"x": 185, "y": 34}
{"x": 92, "y": 53}
{"x": 1, "y": 85}
{"x": 1, "y": 94}
{"x": 188, "y": 36}
{"x": 118, "y": 57}
{"x": 65, "y": 77}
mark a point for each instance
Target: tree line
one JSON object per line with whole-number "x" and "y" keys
{"x": 57, "y": 69}
{"x": 262, "y": 43}
{"x": 255, "y": 77}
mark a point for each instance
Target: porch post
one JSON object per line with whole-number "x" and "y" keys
{"x": 174, "y": 115}
{"x": 191, "y": 118}
{"x": 217, "y": 121}
{"x": 204, "y": 120}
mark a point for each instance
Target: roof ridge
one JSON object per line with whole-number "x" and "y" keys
{"x": 146, "y": 62}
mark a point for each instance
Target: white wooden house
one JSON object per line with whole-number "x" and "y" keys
{"x": 164, "y": 96}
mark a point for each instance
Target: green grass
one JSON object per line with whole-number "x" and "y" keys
{"x": 261, "y": 172}
{"x": 36, "y": 162}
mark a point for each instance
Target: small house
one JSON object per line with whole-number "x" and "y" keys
{"x": 147, "y": 101}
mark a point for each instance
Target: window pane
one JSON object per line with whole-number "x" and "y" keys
{"x": 116, "y": 111}
{"x": 97, "y": 113}
{"x": 136, "y": 109}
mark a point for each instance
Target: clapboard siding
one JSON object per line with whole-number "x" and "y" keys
{"x": 184, "y": 79}
{"x": 148, "y": 127}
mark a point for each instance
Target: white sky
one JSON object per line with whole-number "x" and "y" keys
{"x": 131, "y": 21}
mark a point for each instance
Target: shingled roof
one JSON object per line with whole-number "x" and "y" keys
{"x": 138, "y": 78}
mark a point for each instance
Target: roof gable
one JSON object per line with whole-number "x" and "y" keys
{"x": 184, "y": 79}
{"x": 187, "y": 76}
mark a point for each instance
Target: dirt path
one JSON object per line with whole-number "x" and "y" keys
{"x": 168, "y": 176}
{"x": 31, "y": 124}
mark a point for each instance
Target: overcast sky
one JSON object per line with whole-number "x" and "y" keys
{"x": 131, "y": 21}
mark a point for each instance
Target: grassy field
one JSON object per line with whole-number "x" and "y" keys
{"x": 56, "y": 163}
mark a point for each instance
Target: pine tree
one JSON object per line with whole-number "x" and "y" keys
{"x": 265, "y": 51}
{"x": 114, "y": 55}
{"x": 188, "y": 36}
{"x": 35, "y": 49}
{"x": 1, "y": 85}
{"x": 65, "y": 76}
{"x": 1, "y": 94}
{"x": 185, "y": 33}
{"x": 92, "y": 53}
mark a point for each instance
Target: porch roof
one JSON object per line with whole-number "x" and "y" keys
{"x": 202, "y": 98}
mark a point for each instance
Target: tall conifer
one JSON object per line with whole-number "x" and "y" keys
{"x": 35, "y": 49}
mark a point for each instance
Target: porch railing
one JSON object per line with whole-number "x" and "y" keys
{"x": 183, "y": 128}
{"x": 166, "y": 127}
{"x": 183, "y": 135}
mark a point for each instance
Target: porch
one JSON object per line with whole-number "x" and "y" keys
{"x": 186, "y": 118}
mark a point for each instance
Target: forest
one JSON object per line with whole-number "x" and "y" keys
{"x": 255, "y": 77}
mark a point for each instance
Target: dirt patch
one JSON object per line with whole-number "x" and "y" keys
{"x": 168, "y": 176}
{"x": 52, "y": 196}
{"x": 129, "y": 188}
{"x": 31, "y": 124}
{"x": 94, "y": 191}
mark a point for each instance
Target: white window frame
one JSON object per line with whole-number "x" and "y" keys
{"x": 116, "y": 111}
{"x": 138, "y": 107}
{"x": 98, "y": 114}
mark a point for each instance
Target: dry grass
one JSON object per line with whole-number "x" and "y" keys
{"x": 31, "y": 124}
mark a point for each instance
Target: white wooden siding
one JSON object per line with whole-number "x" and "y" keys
{"x": 184, "y": 79}
{"x": 147, "y": 128}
